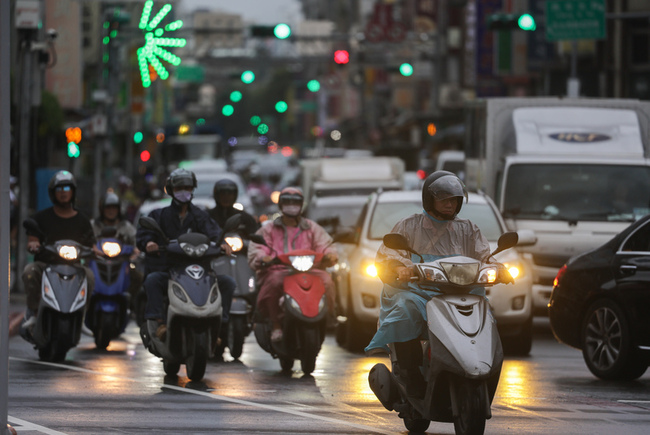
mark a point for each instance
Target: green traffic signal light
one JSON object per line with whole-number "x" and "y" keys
{"x": 235, "y": 96}
{"x": 73, "y": 150}
{"x": 526, "y": 22}
{"x": 137, "y": 137}
{"x": 406, "y": 69}
{"x": 255, "y": 120}
{"x": 248, "y": 77}
{"x": 227, "y": 110}
{"x": 262, "y": 129}
{"x": 313, "y": 85}
{"x": 281, "y": 106}
{"x": 282, "y": 31}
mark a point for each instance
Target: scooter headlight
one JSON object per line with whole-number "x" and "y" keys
{"x": 194, "y": 251}
{"x": 68, "y": 252}
{"x": 461, "y": 274}
{"x": 432, "y": 274}
{"x": 488, "y": 275}
{"x": 369, "y": 268}
{"x": 111, "y": 249}
{"x": 235, "y": 242}
{"x": 302, "y": 262}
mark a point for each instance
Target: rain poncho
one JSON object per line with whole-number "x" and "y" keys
{"x": 282, "y": 239}
{"x": 402, "y": 316}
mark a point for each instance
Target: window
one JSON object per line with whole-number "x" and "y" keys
{"x": 639, "y": 241}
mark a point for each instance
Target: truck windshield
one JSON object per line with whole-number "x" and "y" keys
{"x": 577, "y": 192}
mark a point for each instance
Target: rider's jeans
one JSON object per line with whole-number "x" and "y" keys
{"x": 155, "y": 286}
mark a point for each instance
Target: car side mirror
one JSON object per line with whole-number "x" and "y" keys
{"x": 526, "y": 238}
{"x": 345, "y": 236}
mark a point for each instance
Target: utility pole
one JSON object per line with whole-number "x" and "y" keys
{"x": 5, "y": 147}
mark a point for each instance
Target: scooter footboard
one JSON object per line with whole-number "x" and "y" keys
{"x": 63, "y": 327}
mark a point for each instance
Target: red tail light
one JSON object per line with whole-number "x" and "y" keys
{"x": 558, "y": 277}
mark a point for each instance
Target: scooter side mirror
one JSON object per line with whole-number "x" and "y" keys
{"x": 150, "y": 223}
{"x": 256, "y": 238}
{"x": 232, "y": 223}
{"x": 398, "y": 242}
{"x": 506, "y": 241}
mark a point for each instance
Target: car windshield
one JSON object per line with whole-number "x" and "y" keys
{"x": 386, "y": 215}
{"x": 577, "y": 192}
{"x": 205, "y": 185}
{"x": 347, "y": 214}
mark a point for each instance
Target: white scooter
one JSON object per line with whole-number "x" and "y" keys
{"x": 462, "y": 357}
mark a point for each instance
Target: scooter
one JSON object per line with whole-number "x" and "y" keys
{"x": 108, "y": 309}
{"x": 462, "y": 357}
{"x": 304, "y": 305}
{"x": 64, "y": 292}
{"x": 240, "y": 322}
{"x": 194, "y": 312}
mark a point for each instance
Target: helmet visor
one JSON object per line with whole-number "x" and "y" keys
{"x": 447, "y": 187}
{"x": 290, "y": 199}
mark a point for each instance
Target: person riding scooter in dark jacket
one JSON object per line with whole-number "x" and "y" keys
{"x": 178, "y": 218}
{"x": 225, "y": 194}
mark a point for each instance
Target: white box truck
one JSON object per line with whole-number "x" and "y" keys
{"x": 576, "y": 171}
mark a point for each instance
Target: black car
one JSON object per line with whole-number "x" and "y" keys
{"x": 601, "y": 304}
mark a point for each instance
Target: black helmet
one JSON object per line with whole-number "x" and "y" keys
{"x": 224, "y": 185}
{"x": 179, "y": 178}
{"x": 61, "y": 178}
{"x": 108, "y": 199}
{"x": 441, "y": 185}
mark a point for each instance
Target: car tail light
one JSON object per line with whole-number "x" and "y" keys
{"x": 558, "y": 277}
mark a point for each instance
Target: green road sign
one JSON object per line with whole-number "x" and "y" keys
{"x": 575, "y": 19}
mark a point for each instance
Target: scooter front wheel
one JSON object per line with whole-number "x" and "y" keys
{"x": 197, "y": 361}
{"x": 416, "y": 425}
{"x": 472, "y": 407}
{"x": 236, "y": 335}
{"x": 171, "y": 368}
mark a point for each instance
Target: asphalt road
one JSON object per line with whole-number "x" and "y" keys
{"x": 124, "y": 391}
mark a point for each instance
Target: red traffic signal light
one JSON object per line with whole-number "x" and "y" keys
{"x": 341, "y": 57}
{"x": 145, "y": 156}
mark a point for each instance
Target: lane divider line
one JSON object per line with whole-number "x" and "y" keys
{"x": 26, "y": 425}
{"x": 212, "y": 396}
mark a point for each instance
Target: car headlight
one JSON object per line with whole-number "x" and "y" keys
{"x": 68, "y": 252}
{"x": 302, "y": 262}
{"x": 515, "y": 269}
{"x": 368, "y": 267}
{"x": 235, "y": 242}
{"x": 111, "y": 249}
{"x": 194, "y": 251}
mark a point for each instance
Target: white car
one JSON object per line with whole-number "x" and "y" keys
{"x": 359, "y": 288}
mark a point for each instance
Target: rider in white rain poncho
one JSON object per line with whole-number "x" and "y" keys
{"x": 435, "y": 233}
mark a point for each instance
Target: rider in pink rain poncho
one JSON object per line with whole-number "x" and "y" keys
{"x": 287, "y": 233}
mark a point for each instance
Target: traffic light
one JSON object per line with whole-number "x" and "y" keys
{"x": 313, "y": 85}
{"x": 235, "y": 96}
{"x": 137, "y": 137}
{"x": 406, "y": 69}
{"x": 73, "y": 135}
{"x": 145, "y": 156}
{"x": 511, "y": 22}
{"x": 341, "y": 57}
{"x": 281, "y": 106}
{"x": 248, "y": 77}
{"x": 280, "y": 31}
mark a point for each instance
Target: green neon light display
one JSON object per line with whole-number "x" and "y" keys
{"x": 152, "y": 52}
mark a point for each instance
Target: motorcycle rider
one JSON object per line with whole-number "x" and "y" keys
{"x": 286, "y": 233}
{"x": 436, "y": 233}
{"x": 110, "y": 215}
{"x": 59, "y": 222}
{"x": 225, "y": 193}
{"x": 181, "y": 216}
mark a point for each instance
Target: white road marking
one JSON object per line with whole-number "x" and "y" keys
{"x": 211, "y": 396}
{"x": 25, "y": 426}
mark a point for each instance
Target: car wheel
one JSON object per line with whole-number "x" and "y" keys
{"x": 607, "y": 343}
{"x": 521, "y": 343}
{"x": 354, "y": 333}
